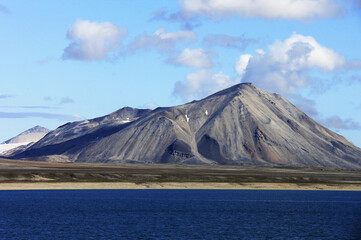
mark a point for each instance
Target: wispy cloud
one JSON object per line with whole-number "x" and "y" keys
{"x": 66, "y": 100}
{"x": 306, "y": 105}
{"x": 304, "y": 10}
{"x": 48, "y": 98}
{"x": 44, "y": 60}
{"x": 3, "y": 96}
{"x": 161, "y": 40}
{"x": 149, "y": 105}
{"x": 61, "y": 101}
{"x": 338, "y": 123}
{"x": 354, "y": 79}
{"x": 357, "y": 3}
{"x": 4, "y": 9}
{"x": 175, "y": 17}
{"x": 30, "y": 107}
{"x": 353, "y": 65}
{"x": 93, "y": 40}
{"x": 224, "y": 40}
{"x": 60, "y": 117}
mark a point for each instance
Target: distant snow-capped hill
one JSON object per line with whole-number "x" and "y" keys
{"x": 23, "y": 140}
{"x": 31, "y": 135}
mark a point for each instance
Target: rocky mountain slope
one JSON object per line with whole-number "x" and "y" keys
{"x": 241, "y": 125}
{"x": 96, "y": 127}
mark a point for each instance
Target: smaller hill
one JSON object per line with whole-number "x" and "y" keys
{"x": 31, "y": 135}
{"x": 23, "y": 140}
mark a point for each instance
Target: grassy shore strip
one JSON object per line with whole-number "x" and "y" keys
{"x": 177, "y": 185}
{"x": 22, "y": 175}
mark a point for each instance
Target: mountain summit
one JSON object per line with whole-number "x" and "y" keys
{"x": 31, "y": 135}
{"x": 23, "y": 140}
{"x": 241, "y": 125}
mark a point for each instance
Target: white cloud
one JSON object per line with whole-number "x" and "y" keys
{"x": 304, "y": 52}
{"x": 241, "y": 64}
{"x": 280, "y": 9}
{"x": 161, "y": 40}
{"x": 284, "y": 67}
{"x": 149, "y": 105}
{"x": 174, "y": 35}
{"x": 200, "y": 84}
{"x": 193, "y": 58}
{"x": 92, "y": 40}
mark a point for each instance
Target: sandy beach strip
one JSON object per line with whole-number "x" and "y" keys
{"x": 177, "y": 185}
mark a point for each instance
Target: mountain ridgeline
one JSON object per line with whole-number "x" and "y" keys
{"x": 241, "y": 125}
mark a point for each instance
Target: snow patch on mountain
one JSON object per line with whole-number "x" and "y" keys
{"x": 4, "y": 147}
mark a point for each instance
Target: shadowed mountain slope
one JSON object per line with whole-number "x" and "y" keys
{"x": 241, "y": 125}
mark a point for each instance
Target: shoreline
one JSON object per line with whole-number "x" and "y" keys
{"x": 176, "y": 185}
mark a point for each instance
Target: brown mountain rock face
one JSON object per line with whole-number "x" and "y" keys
{"x": 241, "y": 125}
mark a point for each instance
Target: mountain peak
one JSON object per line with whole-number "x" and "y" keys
{"x": 235, "y": 89}
{"x": 38, "y": 128}
{"x": 240, "y": 125}
{"x": 31, "y": 135}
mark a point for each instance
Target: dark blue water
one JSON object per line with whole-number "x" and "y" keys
{"x": 179, "y": 214}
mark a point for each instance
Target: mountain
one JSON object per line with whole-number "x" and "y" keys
{"x": 23, "y": 139}
{"x": 97, "y": 127}
{"x": 241, "y": 125}
{"x": 31, "y": 135}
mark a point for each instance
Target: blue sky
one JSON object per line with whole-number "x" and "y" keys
{"x": 63, "y": 61}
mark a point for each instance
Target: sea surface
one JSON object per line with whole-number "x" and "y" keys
{"x": 180, "y": 214}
